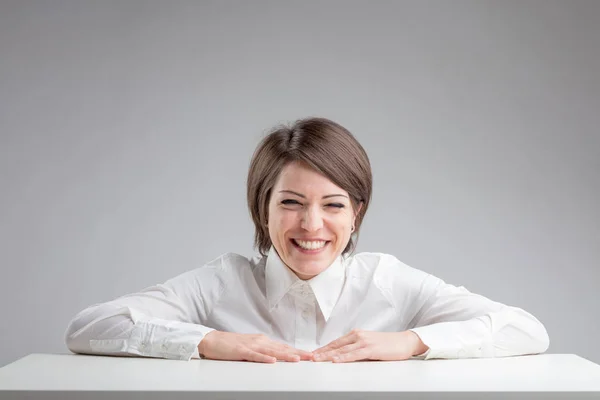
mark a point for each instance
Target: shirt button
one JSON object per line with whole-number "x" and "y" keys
{"x": 143, "y": 345}
{"x": 306, "y": 313}
{"x": 164, "y": 346}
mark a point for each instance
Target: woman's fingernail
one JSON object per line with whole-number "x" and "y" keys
{"x": 336, "y": 359}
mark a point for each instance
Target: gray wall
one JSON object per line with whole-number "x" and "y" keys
{"x": 127, "y": 127}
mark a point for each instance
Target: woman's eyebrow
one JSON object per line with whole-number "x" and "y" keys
{"x": 303, "y": 196}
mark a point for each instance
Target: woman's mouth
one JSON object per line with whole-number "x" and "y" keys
{"x": 310, "y": 246}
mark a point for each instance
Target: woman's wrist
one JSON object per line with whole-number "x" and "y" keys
{"x": 418, "y": 346}
{"x": 203, "y": 343}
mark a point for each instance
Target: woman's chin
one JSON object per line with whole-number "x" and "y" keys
{"x": 309, "y": 268}
{"x": 309, "y": 264}
{"x": 304, "y": 271}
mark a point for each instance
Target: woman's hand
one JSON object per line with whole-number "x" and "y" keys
{"x": 365, "y": 345}
{"x": 219, "y": 345}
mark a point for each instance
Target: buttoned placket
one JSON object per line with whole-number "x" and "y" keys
{"x": 306, "y": 326}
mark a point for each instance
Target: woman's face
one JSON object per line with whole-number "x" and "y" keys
{"x": 310, "y": 220}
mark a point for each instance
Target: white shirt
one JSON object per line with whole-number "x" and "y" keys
{"x": 368, "y": 291}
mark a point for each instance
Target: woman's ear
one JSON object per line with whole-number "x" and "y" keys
{"x": 360, "y": 205}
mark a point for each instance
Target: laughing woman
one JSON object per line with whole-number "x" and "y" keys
{"x": 306, "y": 295}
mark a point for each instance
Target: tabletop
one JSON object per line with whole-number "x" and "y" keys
{"x": 67, "y": 376}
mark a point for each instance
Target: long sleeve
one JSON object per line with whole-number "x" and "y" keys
{"x": 162, "y": 321}
{"x": 455, "y": 323}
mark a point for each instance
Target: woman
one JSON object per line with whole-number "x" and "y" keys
{"x": 306, "y": 297}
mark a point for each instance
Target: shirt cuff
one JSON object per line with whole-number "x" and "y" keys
{"x": 158, "y": 338}
{"x": 456, "y": 339}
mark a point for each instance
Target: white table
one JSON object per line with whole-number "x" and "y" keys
{"x": 62, "y": 376}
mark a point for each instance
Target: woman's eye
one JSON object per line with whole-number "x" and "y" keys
{"x": 289, "y": 202}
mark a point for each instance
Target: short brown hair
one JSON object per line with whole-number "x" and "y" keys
{"x": 324, "y": 146}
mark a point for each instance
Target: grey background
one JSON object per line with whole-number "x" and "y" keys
{"x": 127, "y": 128}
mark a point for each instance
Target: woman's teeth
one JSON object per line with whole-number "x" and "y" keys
{"x": 310, "y": 245}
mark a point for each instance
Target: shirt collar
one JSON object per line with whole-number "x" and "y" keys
{"x": 327, "y": 286}
{"x": 279, "y": 278}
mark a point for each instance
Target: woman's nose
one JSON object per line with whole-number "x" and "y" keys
{"x": 312, "y": 219}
